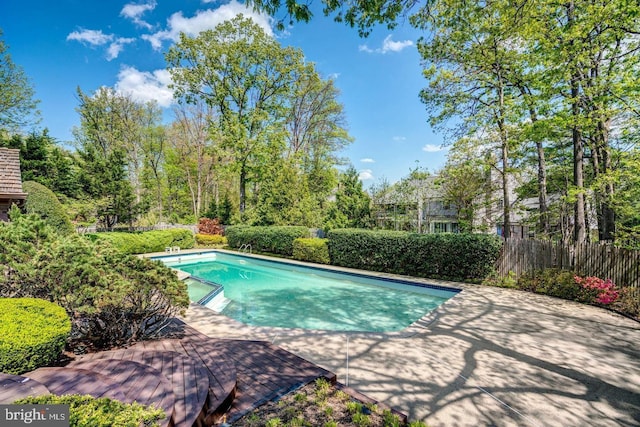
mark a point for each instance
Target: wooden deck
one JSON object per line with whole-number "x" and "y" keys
{"x": 14, "y": 387}
{"x": 196, "y": 379}
{"x": 264, "y": 371}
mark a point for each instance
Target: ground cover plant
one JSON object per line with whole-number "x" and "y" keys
{"x": 320, "y": 404}
{"x": 87, "y": 411}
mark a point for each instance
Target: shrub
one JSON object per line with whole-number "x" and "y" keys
{"x": 596, "y": 290}
{"x": 148, "y": 241}
{"x": 210, "y": 226}
{"x": 553, "y": 282}
{"x": 210, "y": 239}
{"x": 311, "y": 249}
{"x": 32, "y": 333}
{"x": 438, "y": 256}
{"x": 629, "y": 302}
{"x": 43, "y": 202}
{"x": 271, "y": 239}
{"x": 111, "y": 297}
{"x": 88, "y": 411}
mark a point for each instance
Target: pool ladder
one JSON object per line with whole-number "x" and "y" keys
{"x": 246, "y": 247}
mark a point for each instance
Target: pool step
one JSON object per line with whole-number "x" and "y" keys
{"x": 218, "y": 303}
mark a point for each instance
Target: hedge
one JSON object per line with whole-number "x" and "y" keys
{"x": 271, "y": 239}
{"x": 147, "y": 241}
{"x": 43, "y": 202}
{"x": 468, "y": 257}
{"x": 33, "y": 333}
{"x": 312, "y": 250}
{"x": 88, "y": 411}
{"x": 210, "y": 239}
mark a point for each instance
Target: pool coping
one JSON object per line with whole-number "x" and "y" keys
{"x": 413, "y": 329}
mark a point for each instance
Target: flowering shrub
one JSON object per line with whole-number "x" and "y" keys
{"x": 598, "y": 290}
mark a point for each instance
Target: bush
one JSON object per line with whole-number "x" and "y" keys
{"x": 439, "y": 256}
{"x": 88, "y": 411}
{"x": 148, "y": 241}
{"x": 33, "y": 333}
{"x": 43, "y": 202}
{"x": 597, "y": 291}
{"x": 111, "y": 297}
{"x": 210, "y": 239}
{"x": 210, "y": 227}
{"x": 553, "y": 282}
{"x": 271, "y": 239}
{"x": 311, "y": 249}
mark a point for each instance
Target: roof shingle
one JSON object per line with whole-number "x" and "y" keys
{"x": 10, "y": 177}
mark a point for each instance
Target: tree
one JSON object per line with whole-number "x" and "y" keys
{"x": 462, "y": 183}
{"x": 246, "y": 77}
{"x": 41, "y": 160}
{"x": 352, "y": 208}
{"x": 17, "y": 103}
{"x": 470, "y": 56}
{"x": 362, "y": 15}
{"x": 104, "y": 159}
{"x": 190, "y": 138}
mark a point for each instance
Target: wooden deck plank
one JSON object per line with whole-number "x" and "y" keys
{"x": 78, "y": 381}
{"x": 138, "y": 382}
{"x": 14, "y": 387}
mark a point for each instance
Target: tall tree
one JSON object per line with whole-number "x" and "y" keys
{"x": 469, "y": 58}
{"x": 352, "y": 207}
{"x": 191, "y": 139}
{"x": 18, "y": 107}
{"x": 100, "y": 143}
{"x": 247, "y": 78}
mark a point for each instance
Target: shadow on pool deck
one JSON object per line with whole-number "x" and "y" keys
{"x": 488, "y": 356}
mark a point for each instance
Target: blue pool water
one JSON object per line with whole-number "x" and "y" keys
{"x": 280, "y": 294}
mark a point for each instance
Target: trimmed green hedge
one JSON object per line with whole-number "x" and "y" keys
{"x": 33, "y": 333}
{"x": 312, "y": 250}
{"x": 468, "y": 257}
{"x": 147, "y": 241}
{"x": 43, "y": 202}
{"x": 210, "y": 239}
{"x": 87, "y": 411}
{"x": 271, "y": 239}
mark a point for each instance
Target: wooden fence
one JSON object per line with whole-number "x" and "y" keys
{"x": 622, "y": 266}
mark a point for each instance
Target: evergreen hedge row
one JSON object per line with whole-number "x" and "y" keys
{"x": 33, "y": 333}
{"x": 272, "y": 239}
{"x": 312, "y": 250}
{"x": 468, "y": 257}
{"x": 147, "y": 241}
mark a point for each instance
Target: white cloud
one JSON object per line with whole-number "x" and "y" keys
{"x": 333, "y": 76}
{"x": 399, "y": 138}
{"x": 205, "y": 20}
{"x": 92, "y": 37}
{"x": 145, "y": 86}
{"x": 367, "y": 160}
{"x": 388, "y": 45}
{"x": 116, "y": 47}
{"x": 134, "y": 12}
{"x": 430, "y": 148}
{"x": 365, "y": 175}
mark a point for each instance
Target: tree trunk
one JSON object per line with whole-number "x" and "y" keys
{"x": 243, "y": 188}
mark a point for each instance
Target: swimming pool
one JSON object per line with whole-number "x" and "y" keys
{"x": 280, "y": 294}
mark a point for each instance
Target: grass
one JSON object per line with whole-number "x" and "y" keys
{"x": 320, "y": 404}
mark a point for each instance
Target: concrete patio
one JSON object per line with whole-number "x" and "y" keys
{"x": 489, "y": 356}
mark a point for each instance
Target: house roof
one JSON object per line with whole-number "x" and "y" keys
{"x": 10, "y": 177}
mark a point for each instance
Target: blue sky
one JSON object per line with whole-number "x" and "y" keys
{"x": 75, "y": 43}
